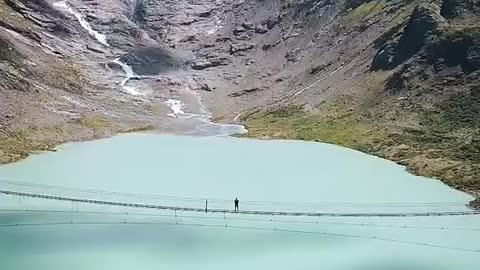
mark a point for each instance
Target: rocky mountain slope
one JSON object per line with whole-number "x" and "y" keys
{"x": 395, "y": 78}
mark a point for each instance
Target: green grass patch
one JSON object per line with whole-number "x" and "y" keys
{"x": 14, "y": 19}
{"x": 138, "y": 129}
{"x": 99, "y": 125}
{"x": 462, "y": 32}
{"x": 19, "y": 145}
{"x": 94, "y": 122}
{"x": 364, "y": 11}
{"x": 294, "y": 122}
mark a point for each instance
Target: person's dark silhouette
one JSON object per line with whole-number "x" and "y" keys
{"x": 236, "y": 204}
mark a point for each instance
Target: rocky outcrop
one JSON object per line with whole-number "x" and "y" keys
{"x": 261, "y": 28}
{"x": 429, "y": 36}
{"x": 423, "y": 21}
{"x": 456, "y": 47}
{"x": 246, "y": 92}
{"x": 211, "y": 62}
{"x": 206, "y": 87}
{"x": 239, "y": 48}
{"x": 475, "y": 204}
{"x": 452, "y": 9}
{"x": 152, "y": 60}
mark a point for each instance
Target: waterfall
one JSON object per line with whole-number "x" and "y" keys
{"x": 83, "y": 22}
{"x": 128, "y": 75}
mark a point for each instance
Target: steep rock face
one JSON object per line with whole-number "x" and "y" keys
{"x": 443, "y": 74}
{"x": 52, "y": 87}
{"x": 457, "y": 47}
{"x": 460, "y": 8}
{"x": 153, "y": 60}
{"x": 424, "y": 20}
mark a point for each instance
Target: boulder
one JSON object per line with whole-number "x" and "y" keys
{"x": 205, "y": 14}
{"x": 292, "y": 56}
{"x": 206, "y": 87}
{"x": 246, "y": 92}
{"x": 317, "y": 68}
{"x": 236, "y": 48}
{"x": 239, "y": 30}
{"x": 211, "y": 62}
{"x": 95, "y": 49}
{"x": 475, "y": 204}
{"x": 223, "y": 39}
{"x": 271, "y": 22}
{"x": 243, "y": 36}
{"x": 261, "y": 28}
{"x": 189, "y": 38}
{"x": 268, "y": 46}
{"x": 248, "y": 25}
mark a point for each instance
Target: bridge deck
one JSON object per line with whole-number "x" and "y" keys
{"x": 249, "y": 212}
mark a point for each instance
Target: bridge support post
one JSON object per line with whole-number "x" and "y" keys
{"x": 206, "y": 206}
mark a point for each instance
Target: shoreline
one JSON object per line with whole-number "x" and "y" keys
{"x": 369, "y": 139}
{"x": 474, "y": 204}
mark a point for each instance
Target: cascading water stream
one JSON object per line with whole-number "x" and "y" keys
{"x": 83, "y": 22}
{"x": 128, "y": 75}
{"x": 206, "y": 126}
{"x": 177, "y": 106}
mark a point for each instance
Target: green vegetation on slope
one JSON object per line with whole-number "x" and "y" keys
{"x": 364, "y": 11}
{"x": 435, "y": 151}
{"x": 12, "y": 19}
{"x": 294, "y": 122}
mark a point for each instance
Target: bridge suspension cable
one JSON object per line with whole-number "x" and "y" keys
{"x": 247, "y": 212}
{"x": 383, "y": 239}
{"x": 230, "y": 218}
{"x": 244, "y": 202}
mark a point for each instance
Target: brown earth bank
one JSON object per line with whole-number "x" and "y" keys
{"x": 394, "y": 78}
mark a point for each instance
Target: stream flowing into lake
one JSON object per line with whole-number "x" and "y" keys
{"x": 264, "y": 175}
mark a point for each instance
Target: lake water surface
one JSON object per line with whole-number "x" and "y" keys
{"x": 264, "y": 175}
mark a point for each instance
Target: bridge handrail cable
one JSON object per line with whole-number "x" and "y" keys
{"x": 247, "y": 212}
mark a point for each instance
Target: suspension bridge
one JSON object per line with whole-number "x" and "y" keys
{"x": 55, "y": 193}
{"x": 230, "y": 211}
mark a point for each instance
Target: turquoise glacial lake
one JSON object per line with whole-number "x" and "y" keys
{"x": 265, "y": 175}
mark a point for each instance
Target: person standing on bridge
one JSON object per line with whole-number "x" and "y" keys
{"x": 236, "y": 204}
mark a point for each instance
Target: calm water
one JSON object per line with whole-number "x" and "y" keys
{"x": 292, "y": 174}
